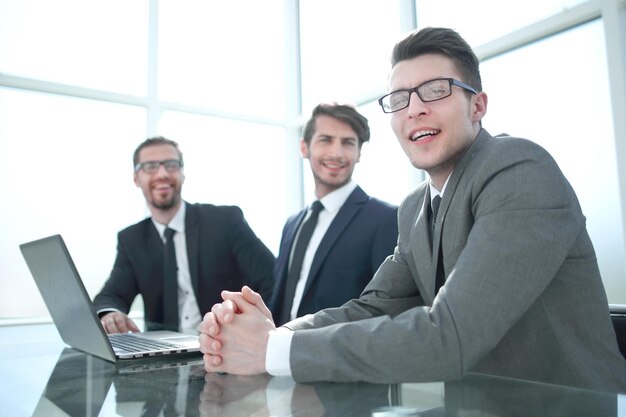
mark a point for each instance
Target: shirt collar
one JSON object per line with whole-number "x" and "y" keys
{"x": 334, "y": 200}
{"x": 434, "y": 191}
{"x": 177, "y": 223}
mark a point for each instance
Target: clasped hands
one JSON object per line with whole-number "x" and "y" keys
{"x": 234, "y": 334}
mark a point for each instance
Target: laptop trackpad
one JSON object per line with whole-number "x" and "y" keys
{"x": 173, "y": 337}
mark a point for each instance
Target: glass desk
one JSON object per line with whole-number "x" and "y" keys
{"x": 40, "y": 376}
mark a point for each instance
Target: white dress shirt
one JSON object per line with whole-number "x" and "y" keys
{"x": 189, "y": 317}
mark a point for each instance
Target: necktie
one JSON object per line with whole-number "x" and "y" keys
{"x": 170, "y": 282}
{"x": 296, "y": 261}
{"x": 435, "y": 208}
{"x": 440, "y": 276}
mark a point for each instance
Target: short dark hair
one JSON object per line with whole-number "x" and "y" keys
{"x": 441, "y": 41}
{"x": 342, "y": 112}
{"x": 157, "y": 140}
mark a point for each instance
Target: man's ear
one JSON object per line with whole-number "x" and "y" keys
{"x": 479, "y": 108}
{"x": 304, "y": 149}
{"x": 136, "y": 179}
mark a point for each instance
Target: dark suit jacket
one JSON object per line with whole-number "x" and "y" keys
{"x": 223, "y": 252}
{"x": 362, "y": 234}
{"x": 523, "y": 296}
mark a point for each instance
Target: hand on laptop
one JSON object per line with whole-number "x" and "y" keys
{"x": 118, "y": 322}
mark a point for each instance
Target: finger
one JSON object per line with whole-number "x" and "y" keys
{"x": 236, "y": 300}
{"x": 212, "y": 363}
{"x": 246, "y": 306}
{"x": 229, "y": 294}
{"x": 225, "y": 311}
{"x": 120, "y": 325}
{"x": 203, "y": 339}
{"x": 209, "y": 325}
{"x": 108, "y": 322}
{"x": 120, "y": 322}
{"x": 132, "y": 326}
{"x": 209, "y": 345}
{"x": 255, "y": 298}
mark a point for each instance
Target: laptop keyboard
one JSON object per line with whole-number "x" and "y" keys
{"x": 130, "y": 342}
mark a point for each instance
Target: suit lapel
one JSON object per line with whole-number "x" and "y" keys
{"x": 348, "y": 210}
{"x": 192, "y": 233}
{"x": 448, "y": 195}
{"x": 286, "y": 248}
{"x": 423, "y": 254}
{"x": 154, "y": 243}
{"x": 453, "y": 183}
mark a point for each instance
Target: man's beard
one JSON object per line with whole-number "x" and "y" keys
{"x": 167, "y": 204}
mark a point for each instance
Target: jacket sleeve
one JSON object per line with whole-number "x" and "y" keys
{"x": 254, "y": 259}
{"x": 386, "y": 237}
{"x": 121, "y": 288}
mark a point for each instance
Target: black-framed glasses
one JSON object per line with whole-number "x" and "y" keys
{"x": 432, "y": 90}
{"x": 150, "y": 167}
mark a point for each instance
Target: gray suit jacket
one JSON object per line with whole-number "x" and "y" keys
{"x": 523, "y": 297}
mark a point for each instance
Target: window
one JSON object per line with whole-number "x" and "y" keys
{"x": 232, "y": 82}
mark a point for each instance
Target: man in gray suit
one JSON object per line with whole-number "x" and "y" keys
{"x": 521, "y": 292}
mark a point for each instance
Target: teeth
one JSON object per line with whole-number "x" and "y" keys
{"x": 420, "y": 134}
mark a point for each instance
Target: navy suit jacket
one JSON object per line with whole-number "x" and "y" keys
{"x": 223, "y": 253}
{"x": 362, "y": 234}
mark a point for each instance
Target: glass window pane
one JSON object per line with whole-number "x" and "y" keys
{"x": 480, "y": 21}
{"x": 218, "y": 55}
{"x": 234, "y": 163}
{"x": 384, "y": 171}
{"x": 346, "y": 48}
{"x": 546, "y": 104}
{"x": 95, "y": 44}
{"x": 67, "y": 169}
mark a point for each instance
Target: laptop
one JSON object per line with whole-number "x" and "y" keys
{"x": 74, "y": 315}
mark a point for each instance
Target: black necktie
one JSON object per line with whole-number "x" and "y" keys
{"x": 435, "y": 208}
{"x": 296, "y": 261}
{"x": 170, "y": 282}
{"x": 440, "y": 275}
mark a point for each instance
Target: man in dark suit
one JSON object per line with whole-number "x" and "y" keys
{"x": 354, "y": 232}
{"x": 215, "y": 249}
{"x": 500, "y": 277}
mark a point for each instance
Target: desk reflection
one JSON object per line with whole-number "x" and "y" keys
{"x": 82, "y": 385}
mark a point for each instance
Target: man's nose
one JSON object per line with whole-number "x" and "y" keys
{"x": 416, "y": 105}
{"x": 337, "y": 149}
{"x": 161, "y": 171}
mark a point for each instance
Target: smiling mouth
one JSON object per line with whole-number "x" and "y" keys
{"x": 422, "y": 134}
{"x": 331, "y": 165}
{"x": 162, "y": 187}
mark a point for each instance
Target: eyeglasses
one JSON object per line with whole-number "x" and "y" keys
{"x": 151, "y": 167}
{"x": 432, "y": 90}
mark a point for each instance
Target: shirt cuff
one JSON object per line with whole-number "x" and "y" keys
{"x": 278, "y": 352}
{"x": 103, "y": 311}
